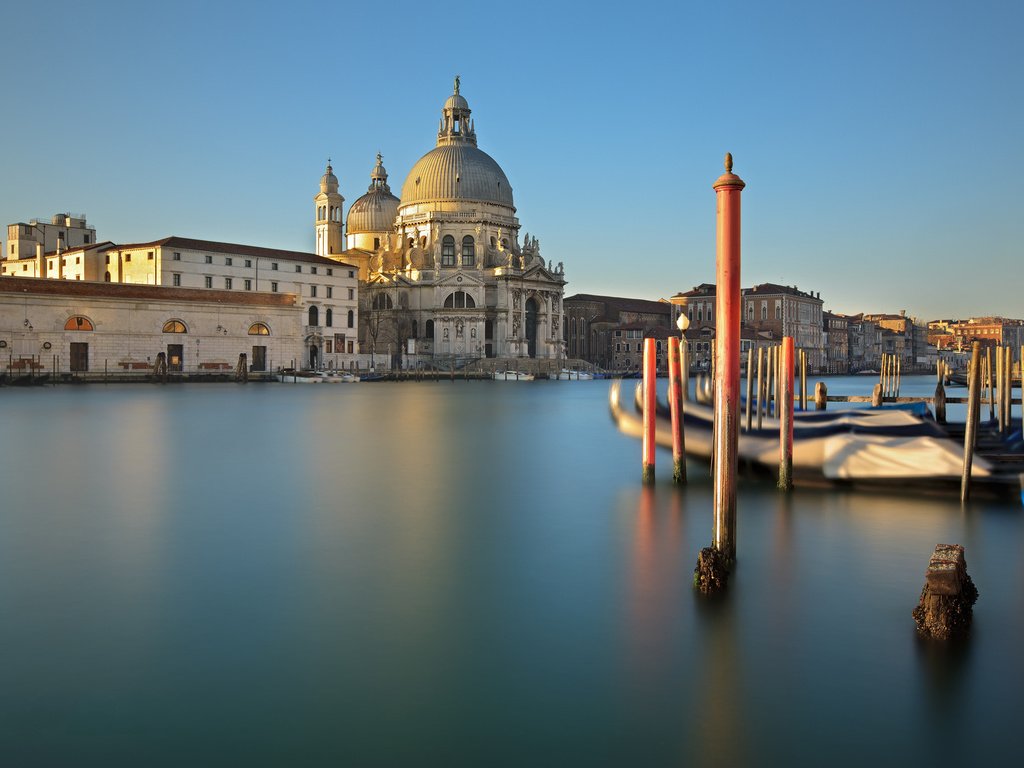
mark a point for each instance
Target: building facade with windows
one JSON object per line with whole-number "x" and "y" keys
{"x": 89, "y": 327}
{"x": 324, "y": 290}
{"x": 445, "y": 274}
{"x": 32, "y": 239}
{"x": 608, "y": 331}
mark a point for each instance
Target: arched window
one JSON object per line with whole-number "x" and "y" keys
{"x": 351, "y": 318}
{"x": 700, "y": 314}
{"x": 459, "y": 300}
{"x": 493, "y": 242}
{"x": 106, "y": 277}
{"x": 382, "y": 301}
{"x": 329, "y": 317}
{"x": 448, "y": 251}
{"x": 175, "y": 326}
{"x": 429, "y": 330}
{"x": 468, "y": 251}
{"x": 411, "y": 241}
{"x": 314, "y": 316}
{"x": 259, "y": 329}
{"x": 78, "y": 323}
{"x": 572, "y": 326}
{"x": 415, "y": 329}
{"x": 764, "y": 311}
{"x": 778, "y": 311}
{"x": 750, "y": 312}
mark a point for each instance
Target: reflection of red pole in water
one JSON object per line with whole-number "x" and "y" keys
{"x": 727, "y": 358}
{"x": 675, "y": 403}
{"x": 786, "y": 416}
{"x": 650, "y": 392}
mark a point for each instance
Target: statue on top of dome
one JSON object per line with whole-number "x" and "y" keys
{"x": 457, "y": 80}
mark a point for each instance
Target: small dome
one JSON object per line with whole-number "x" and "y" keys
{"x": 373, "y": 212}
{"x": 455, "y": 101}
{"x": 329, "y": 182}
{"x": 376, "y": 210}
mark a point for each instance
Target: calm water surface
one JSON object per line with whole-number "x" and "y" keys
{"x": 462, "y": 574}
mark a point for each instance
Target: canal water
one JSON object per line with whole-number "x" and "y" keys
{"x": 467, "y": 573}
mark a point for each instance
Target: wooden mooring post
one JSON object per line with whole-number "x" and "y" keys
{"x": 675, "y": 401}
{"x": 750, "y": 387}
{"x": 786, "y": 416}
{"x": 971, "y": 427}
{"x": 803, "y": 379}
{"x": 714, "y": 562}
{"x": 650, "y": 400}
{"x": 820, "y": 396}
{"x": 760, "y": 385}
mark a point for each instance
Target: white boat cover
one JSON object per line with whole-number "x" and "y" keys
{"x": 856, "y": 456}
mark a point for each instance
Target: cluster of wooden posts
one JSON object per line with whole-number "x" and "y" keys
{"x": 770, "y": 394}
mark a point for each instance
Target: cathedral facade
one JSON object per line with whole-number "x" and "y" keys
{"x": 444, "y": 274}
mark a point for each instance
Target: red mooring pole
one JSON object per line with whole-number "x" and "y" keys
{"x": 650, "y": 407}
{"x": 728, "y": 187}
{"x": 786, "y": 416}
{"x": 675, "y": 404}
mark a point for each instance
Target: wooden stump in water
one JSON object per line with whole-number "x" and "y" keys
{"x": 945, "y": 609}
{"x": 712, "y": 572}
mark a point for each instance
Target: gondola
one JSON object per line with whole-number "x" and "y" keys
{"x": 884, "y": 448}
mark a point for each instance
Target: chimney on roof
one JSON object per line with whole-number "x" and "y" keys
{"x": 903, "y": 313}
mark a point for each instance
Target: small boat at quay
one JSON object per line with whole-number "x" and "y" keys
{"x": 889, "y": 449}
{"x": 291, "y": 376}
{"x": 512, "y": 376}
{"x": 567, "y": 374}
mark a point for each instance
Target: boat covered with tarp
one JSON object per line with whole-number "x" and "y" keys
{"x": 889, "y": 447}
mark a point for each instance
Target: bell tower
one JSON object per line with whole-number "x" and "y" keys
{"x": 329, "y": 221}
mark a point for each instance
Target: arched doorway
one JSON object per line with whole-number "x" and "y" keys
{"x": 314, "y": 357}
{"x": 532, "y": 309}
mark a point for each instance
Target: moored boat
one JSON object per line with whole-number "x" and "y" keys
{"x": 894, "y": 449}
{"x": 567, "y": 374}
{"x": 512, "y": 376}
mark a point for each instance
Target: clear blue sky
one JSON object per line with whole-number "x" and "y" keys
{"x": 881, "y": 141}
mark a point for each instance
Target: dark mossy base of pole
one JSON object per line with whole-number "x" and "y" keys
{"x": 679, "y": 472}
{"x": 647, "y": 478}
{"x": 945, "y": 609}
{"x": 712, "y": 572}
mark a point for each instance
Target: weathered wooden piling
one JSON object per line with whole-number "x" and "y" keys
{"x": 1008, "y": 396}
{"x": 988, "y": 384}
{"x": 803, "y": 379}
{"x": 684, "y": 364}
{"x": 876, "y": 396}
{"x": 820, "y": 396}
{"x": 940, "y": 403}
{"x": 946, "y": 606}
{"x": 760, "y": 385}
{"x": 786, "y": 416}
{"x": 650, "y": 399}
{"x": 971, "y": 427}
{"x": 675, "y": 403}
{"x": 750, "y": 386}
{"x": 712, "y": 568}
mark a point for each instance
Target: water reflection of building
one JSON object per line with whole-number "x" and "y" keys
{"x": 444, "y": 271}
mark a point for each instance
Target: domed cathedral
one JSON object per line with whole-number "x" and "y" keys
{"x": 444, "y": 274}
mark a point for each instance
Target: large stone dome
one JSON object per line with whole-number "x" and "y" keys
{"x": 456, "y": 172}
{"x": 376, "y": 210}
{"x": 456, "y": 169}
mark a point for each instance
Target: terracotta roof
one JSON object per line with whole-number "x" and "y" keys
{"x": 621, "y": 304}
{"x": 235, "y": 249}
{"x": 775, "y": 288}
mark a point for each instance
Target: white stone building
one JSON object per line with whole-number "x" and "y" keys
{"x": 445, "y": 273}
{"x": 324, "y": 291}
